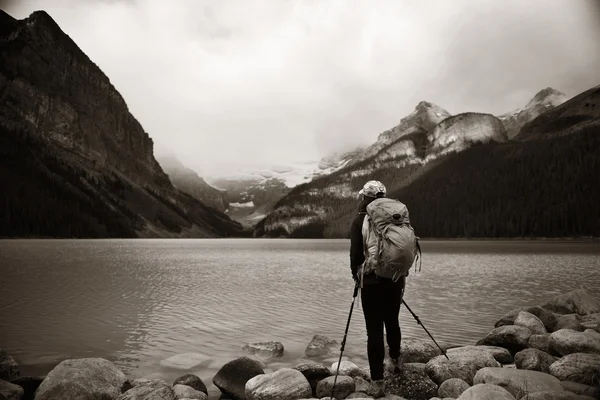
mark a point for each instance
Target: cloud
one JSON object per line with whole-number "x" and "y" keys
{"x": 246, "y": 82}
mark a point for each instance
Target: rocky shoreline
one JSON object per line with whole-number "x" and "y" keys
{"x": 547, "y": 352}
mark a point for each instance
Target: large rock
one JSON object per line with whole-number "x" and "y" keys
{"x": 578, "y": 301}
{"x": 452, "y": 388}
{"x": 350, "y": 369}
{"x": 343, "y": 387}
{"x": 501, "y": 354}
{"x": 591, "y": 321}
{"x": 486, "y": 392}
{"x": 82, "y": 379}
{"x": 314, "y": 373}
{"x": 264, "y": 349}
{"x": 555, "y": 396}
{"x": 540, "y": 342}
{"x": 581, "y": 389}
{"x": 411, "y": 382}
{"x": 232, "y": 377}
{"x": 192, "y": 381}
{"x": 567, "y": 341}
{"x": 578, "y": 367}
{"x": 511, "y": 337}
{"x": 320, "y": 346}
{"x": 188, "y": 392}
{"x": 418, "y": 351}
{"x": 283, "y": 384}
{"x": 531, "y": 322}
{"x": 361, "y": 384}
{"x": 534, "y": 360}
{"x": 155, "y": 389}
{"x": 548, "y": 318}
{"x": 29, "y": 385}
{"x": 569, "y": 321}
{"x": 10, "y": 391}
{"x": 463, "y": 365}
{"x": 9, "y": 369}
{"x": 518, "y": 382}
{"x": 508, "y": 318}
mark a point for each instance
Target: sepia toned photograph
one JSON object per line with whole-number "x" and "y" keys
{"x": 299, "y": 199}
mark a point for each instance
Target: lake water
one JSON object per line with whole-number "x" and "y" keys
{"x": 137, "y": 302}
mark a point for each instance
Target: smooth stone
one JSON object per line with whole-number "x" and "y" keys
{"x": 9, "y": 369}
{"x": 320, "y": 346}
{"x": 531, "y": 322}
{"x": 555, "y": 396}
{"x": 453, "y": 387}
{"x": 548, "y": 318}
{"x": 591, "y": 321}
{"x": 359, "y": 395}
{"x": 501, "y": 354}
{"x": 283, "y": 384}
{"x": 82, "y": 379}
{"x": 569, "y": 321}
{"x": 343, "y": 387}
{"x": 361, "y": 384}
{"x": 410, "y": 381}
{"x": 192, "y": 381}
{"x": 534, "y": 360}
{"x": 511, "y": 337}
{"x": 417, "y": 351}
{"x": 264, "y": 349}
{"x": 581, "y": 389}
{"x": 232, "y": 377}
{"x": 10, "y": 391}
{"x": 517, "y": 381}
{"x": 153, "y": 389}
{"x": 568, "y": 341}
{"x": 486, "y": 391}
{"x": 188, "y": 392}
{"x": 463, "y": 365}
{"x": 578, "y": 367}
{"x": 185, "y": 361}
{"x": 347, "y": 368}
{"x": 578, "y": 301}
{"x": 540, "y": 342}
{"x": 314, "y": 373}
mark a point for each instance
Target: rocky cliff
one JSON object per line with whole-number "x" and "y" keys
{"x": 75, "y": 161}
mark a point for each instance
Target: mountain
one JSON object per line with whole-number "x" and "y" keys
{"x": 398, "y": 157}
{"x": 188, "y": 181}
{"x": 543, "y": 101}
{"x": 541, "y": 184}
{"x": 74, "y": 161}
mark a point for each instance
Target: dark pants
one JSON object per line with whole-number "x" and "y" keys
{"x": 381, "y": 306}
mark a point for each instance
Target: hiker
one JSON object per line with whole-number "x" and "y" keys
{"x": 381, "y": 297}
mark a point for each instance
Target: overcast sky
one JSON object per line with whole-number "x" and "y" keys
{"x": 272, "y": 81}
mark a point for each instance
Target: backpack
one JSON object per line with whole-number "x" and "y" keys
{"x": 397, "y": 246}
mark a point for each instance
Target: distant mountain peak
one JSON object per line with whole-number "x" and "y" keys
{"x": 547, "y": 92}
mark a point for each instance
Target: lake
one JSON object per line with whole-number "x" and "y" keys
{"x": 138, "y": 302}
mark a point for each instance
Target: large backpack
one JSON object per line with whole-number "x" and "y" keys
{"x": 397, "y": 245}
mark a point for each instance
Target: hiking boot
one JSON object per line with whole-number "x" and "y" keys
{"x": 376, "y": 388}
{"x": 396, "y": 364}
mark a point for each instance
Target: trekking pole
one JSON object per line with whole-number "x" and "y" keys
{"x": 344, "y": 340}
{"x": 420, "y": 323}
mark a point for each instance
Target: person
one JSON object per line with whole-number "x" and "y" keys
{"x": 381, "y": 297}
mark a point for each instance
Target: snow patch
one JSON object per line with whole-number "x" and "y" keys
{"x": 249, "y": 204}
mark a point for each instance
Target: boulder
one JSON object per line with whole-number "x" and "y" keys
{"x": 511, "y": 337}
{"x": 578, "y": 301}
{"x": 534, "y": 360}
{"x": 508, "y": 318}
{"x": 9, "y": 369}
{"x": 568, "y": 341}
{"x": 188, "y": 392}
{"x": 358, "y": 395}
{"x": 569, "y": 321}
{"x": 501, "y": 354}
{"x": 531, "y": 322}
{"x": 314, "y": 373}
{"x": 82, "y": 379}
{"x": 540, "y": 342}
{"x": 486, "y": 392}
{"x": 548, "y": 318}
{"x": 417, "y": 351}
{"x": 348, "y": 368}
{"x": 320, "y": 346}
{"x": 232, "y": 377}
{"x": 591, "y": 321}
{"x": 10, "y": 391}
{"x": 555, "y": 396}
{"x": 192, "y": 381}
{"x": 29, "y": 385}
{"x": 411, "y": 382}
{"x": 283, "y": 384}
{"x": 517, "y": 381}
{"x": 361, "y": 384}
{"x": 452, "y": 388}
{"x": 578, "y": 367}
{"x": 264, "y": 349}
{"x": 581, "y": 389}
{"x": 343, "y": 387}
{"x": 155, "y": 389}
{"x": 463, "y": 365}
